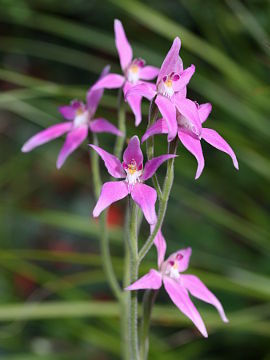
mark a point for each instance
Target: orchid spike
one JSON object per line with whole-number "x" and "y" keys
{"x": 190, "y": 117}
{"x": 81, "y": 121}
{"x": 132, "y": 170}
{"x": 134, "y": 72}
{"x": 179, "y": 286}
{"x": 171, "y": 84}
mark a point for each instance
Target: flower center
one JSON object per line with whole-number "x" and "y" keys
{"x": 165, "y": 86}
{"x": 133, "y": 173}
{"x": 172, "y": 270}
{"x": 133, "y": 71}
{"x": 171, "y": 266}
{"x": 82, "y": 118}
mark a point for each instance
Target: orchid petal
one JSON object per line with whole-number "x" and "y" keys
{"x": 152, "y": 165}
{"x": 181, "y": 93}
{"x": 149, "y": 72}
{"x": 204, "y": 111}
{"x": 185, "y": 77}
{"x": 171, "y": 61}
{"x": 152, "y": 280}
{"x": 160, "y": 244}
{"x": 110, "y": 81}
{"x": 214, "y": 139}
{"x": 159, "y": 127}
{"x": 101, "y": 125}
{"x": 67, "y": 111}
{"x": 46, "y": 135}
{"x": 189, "y": 110}
{"x": 145, "y": 196}
{"x": 133, "y": 152}
{"x": 183, "y": 260}
{"x": 73, "y": 140}
{"x": 168, "y": 111}
{"x": 123, "y": 47}
{"x": 110, "y": 192}
{"x": 181, "y": 299}
{"x": 197, "y": 289}
{"x": 145, "y": 89}
{"x": 194, "y": 146}
{"x": 93, "y": 96}
{"x": 134, "y": 102}
{"x": 111, "y": 162}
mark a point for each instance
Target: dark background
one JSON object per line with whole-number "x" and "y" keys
{"x": 54, "y": 300}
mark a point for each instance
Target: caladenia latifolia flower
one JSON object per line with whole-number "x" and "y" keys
{"x": 181, "y": 119}
{"x": 135, "y": 175}
{"x": 81, "y": 120}
{"x": 169, "y": 93}
{"x": 134, "y": 72}
{"x": 190, "y": 132}
{"x": 179, "y": 286}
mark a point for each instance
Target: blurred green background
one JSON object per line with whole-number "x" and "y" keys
{"x": 54, "y": 300}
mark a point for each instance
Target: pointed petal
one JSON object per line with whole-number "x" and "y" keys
{"x": 168, "y": 111}
{"x": 183, "y": 260}
{"x": 111, "y": 162}
{"x": 73, "y": 140}
{"x": 134, "y": 102}
{"x": 189, "y": 110}
{"x": 46, "y": 135}
{"x": 214, "y": 139}
{"x": 145, "y": 90}
{"x": 171, "y": 61}
{"x": 197, "y": 289}
{"x": 152, "y": 280}
{"x": 145, "y": 197}
{"x": 123, "y": 47}
{"x": 133, "y": 152}
{"x": 101, "y": 125}
{"x": 149, "y": 72}
{"x": 180, "y": 298}
{"x": 159, "y": 127}
{"x": 110, "y": 192}
{"x": 67, "y": 111}
{"x": 194, "y": 146}
{"x": 93, "y": 96}
{"x": 110, "y": 81}
{"x": 152, "y": 165}
{"x": 185, "y": 77}
{"x": 181, "y": 94}
{"x": 204, "y": 111}
{"x": 160, "y": 244}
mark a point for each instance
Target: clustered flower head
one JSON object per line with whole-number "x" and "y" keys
{"x": 180, "y": 117}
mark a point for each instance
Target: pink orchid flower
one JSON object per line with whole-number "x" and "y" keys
{"x": 170, "y": 92}
{"x": 132, "y": 170}
{"x": 178, "y": 286}
{"x": 190, "y": 132}
{"x": 134, "y": 72}
{"x": 81, "y": 120}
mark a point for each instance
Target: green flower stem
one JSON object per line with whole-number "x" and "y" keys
{"x": 126, "y": 282}
{"x": 152, "y": 117}
{"x": 132, "y": 297}
{"x": 105, "y": 249}
{"x": 120, "y": 140}
{"x": 162, "y": 201}
{"x": 149, "y": 298}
